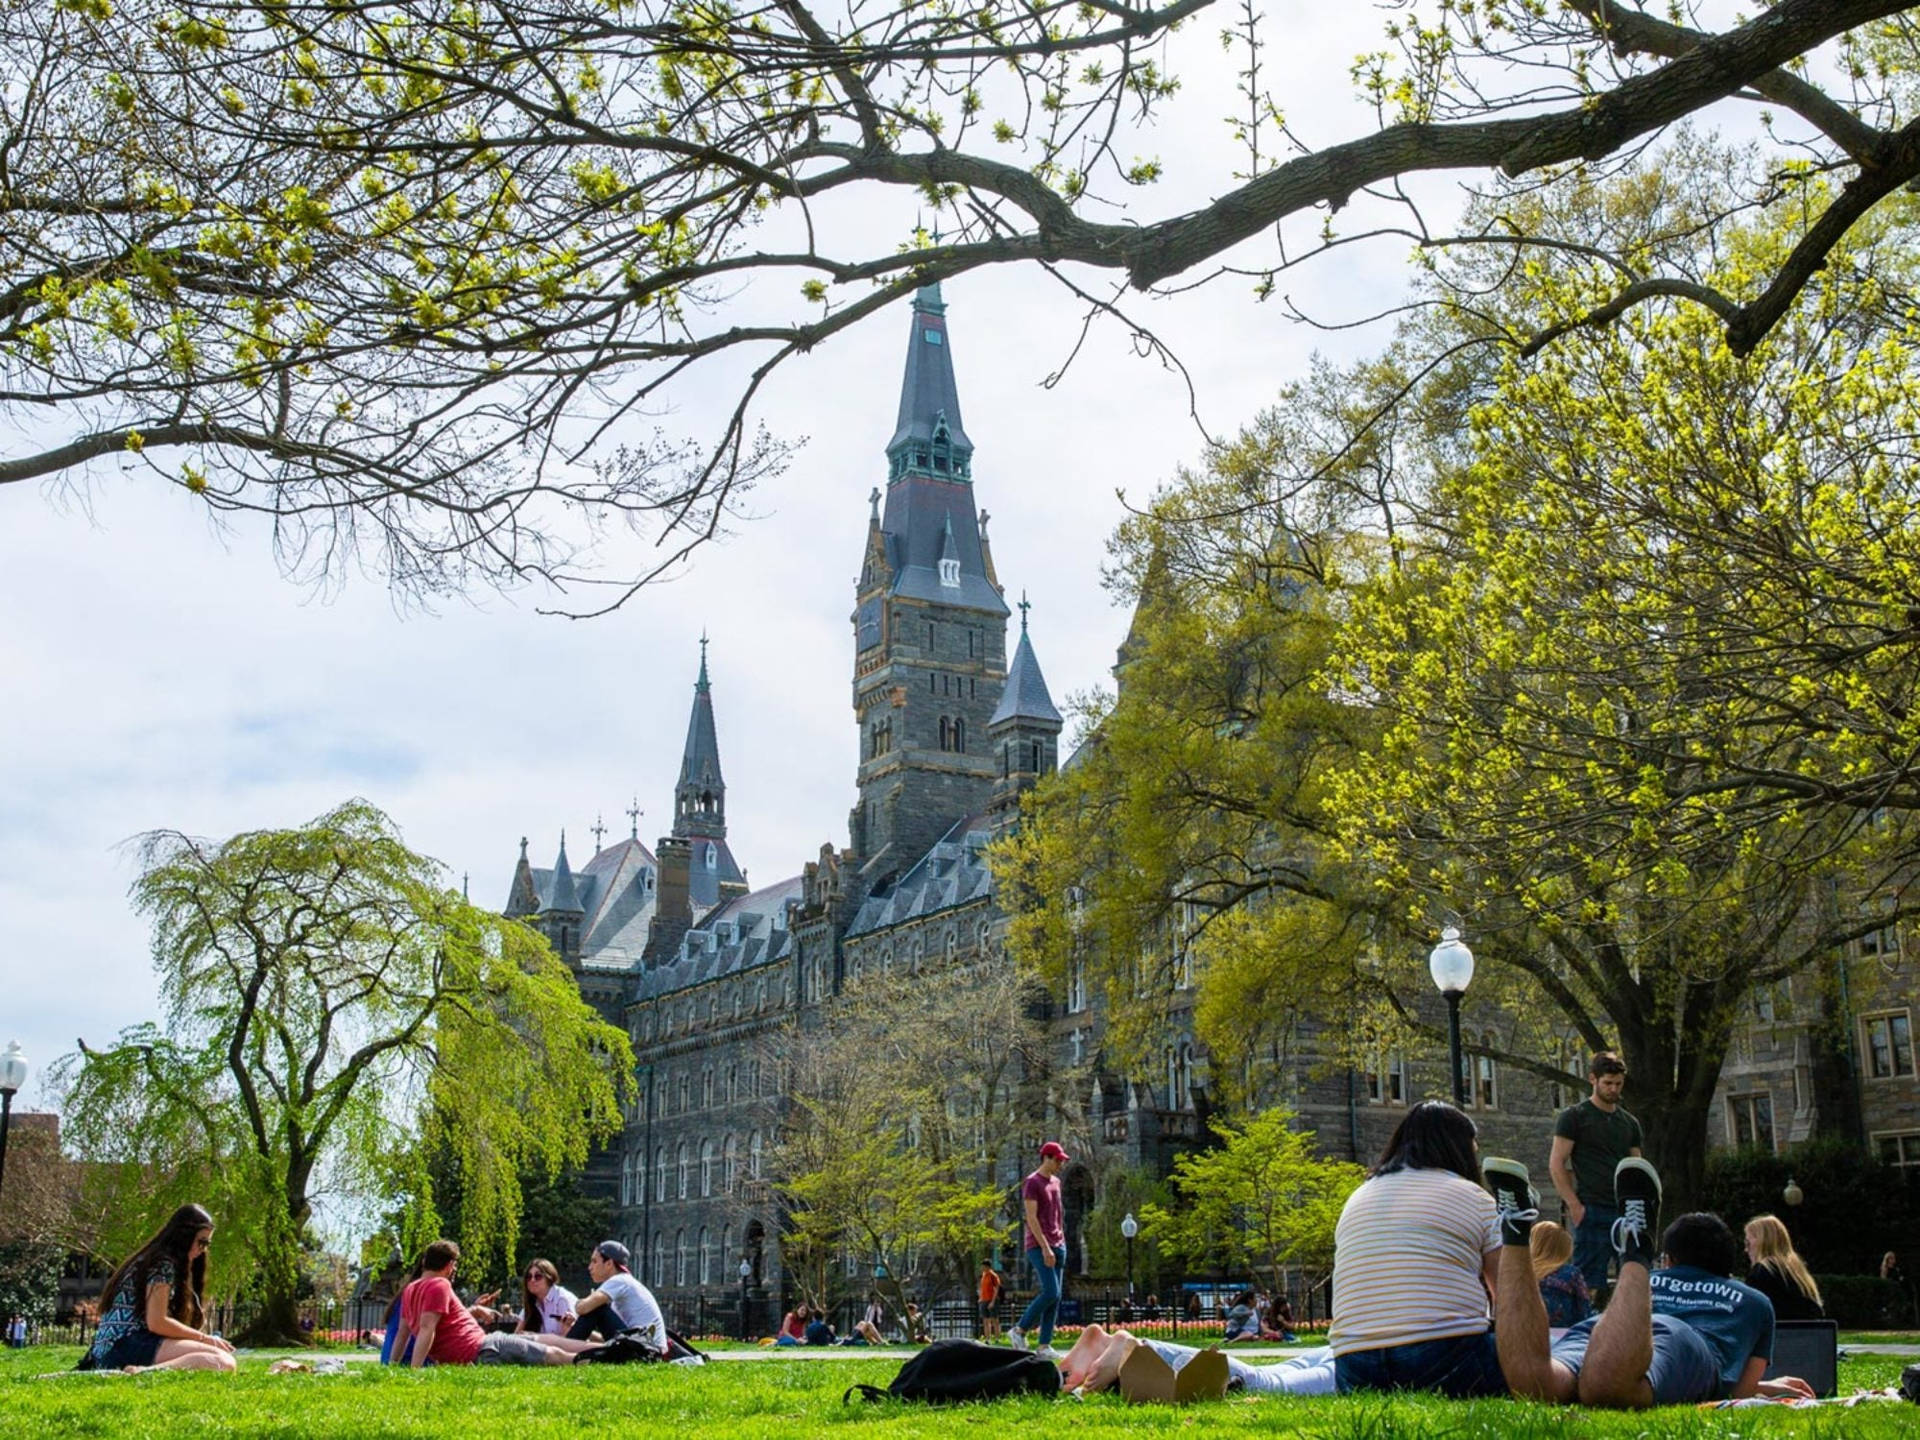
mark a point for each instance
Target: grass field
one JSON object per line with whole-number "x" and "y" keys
{"x": 749, "y": 1400}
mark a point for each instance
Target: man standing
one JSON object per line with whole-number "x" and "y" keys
{"x": 989, "y": 1301}
{"x": 1589, "y": 1142}
{"x": 445, "y": 1331}
{"x": 1046, "y": 1238}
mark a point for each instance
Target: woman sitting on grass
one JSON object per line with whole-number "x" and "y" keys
{"x": 548, "y": 1307}
{"x": 1779, "y": 1273}
{"x": 154, "y": 1305}
{"x": 1414, "y": 1257}
{"x": 1563, "y": 1289}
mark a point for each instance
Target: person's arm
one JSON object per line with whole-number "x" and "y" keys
{"x": 168, "y": 1328}
{"x": 1489, "y": 1272}
{"x": 1560, "y": 1167}
{"x": 397, "y": 1355}
{"x": 423, "y": 1338}
{"x": 1039, "y": 1235}
{"x": 589, "y": 1303}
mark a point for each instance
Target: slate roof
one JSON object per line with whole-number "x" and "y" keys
{"x": 1025, "y": 696}
{"x": 918, "y": 511}
{"x": 561, "y": 893}
{"x": 700, "y": 760}
{"x": 928, "y": 394}
{"x": 617, "y": 890}
{"x": 953, "y": 873}
{"x": 703, "y": 884}
{"x": 748, "y": 932}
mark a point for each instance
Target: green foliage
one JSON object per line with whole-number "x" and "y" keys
{"x": 323, "y": 991}
{"x": 29, "y": 1279}
{"x": 1123, "y": 1193}
{"x": 1261, "y": 1201}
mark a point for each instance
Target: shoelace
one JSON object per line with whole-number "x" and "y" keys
{"x": 1631, "y": 1228}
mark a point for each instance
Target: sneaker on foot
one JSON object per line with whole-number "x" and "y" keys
{"x": 1636, "y": 1190}
{"x": 1017, "y": 1338}
{"x": 1047, "y": 1352}
{"x": 1513, "y": 1197}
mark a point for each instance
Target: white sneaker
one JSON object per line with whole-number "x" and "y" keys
{"x": 1017, "y": 1338}
{"x": 1047, "y": 1352}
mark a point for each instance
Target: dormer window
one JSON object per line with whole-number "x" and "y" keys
{"x": 713, "y": 857}
{"x": 950, "y": 574}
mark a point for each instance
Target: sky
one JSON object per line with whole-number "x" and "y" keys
{"x": 160, "y": 673}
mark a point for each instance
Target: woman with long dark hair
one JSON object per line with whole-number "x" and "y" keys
{"x": 1414, "y": 1257}
{"x": 154, "y": 1304}
{"x": 547, "y": 1307}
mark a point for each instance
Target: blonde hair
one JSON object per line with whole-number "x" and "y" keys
{"x": 1550, "y": 1246}
{"x": 1769, "y": 1244}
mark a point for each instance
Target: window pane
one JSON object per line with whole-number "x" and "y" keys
{"x": 1763, "y": 1121}
{"x": 1742, "y": 1123}
{"x": 1902, "y": 1044}
{"x": 1879, "y": 1049}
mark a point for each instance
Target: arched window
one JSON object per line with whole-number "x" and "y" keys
{"x": 706, "y": 1167}
{"x": 729, "y": 1166}
{"x": 1486, "y": 1086}
{"x": 726, "y": 1255}
{"x": 706, "y": 1256}
{"x": 660, "y": 1176}
{"x": 753, "y": 1077}
{"x": 960, "y": 736}
{"x": 1037, "y": 756}
{"x": 626, "y": 1181}
{"x": 753, "y": 1156}
{"x": 660, "y": 1260}
{"x": 946, "y": 734}
{"x": 684, "y": 1086}
{"x": 706, "y": 1088}
{"x": 685, "y": 1169}
{"x": 679, "y": 1257}
{"x": 713, "y": 857}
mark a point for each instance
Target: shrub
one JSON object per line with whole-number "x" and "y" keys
{"x": 1856, "y": 1209}
{"x": 1865, "y": 1302}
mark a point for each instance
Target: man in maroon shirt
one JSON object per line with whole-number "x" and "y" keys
{"x": 445, "y": 1332}
{"x": 1046, "y": 1240}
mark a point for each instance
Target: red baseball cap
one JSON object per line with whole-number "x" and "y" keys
{"x": 1053, "y": 1150}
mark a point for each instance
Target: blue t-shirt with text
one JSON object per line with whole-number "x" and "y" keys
{"x": 1734, "y": 1319}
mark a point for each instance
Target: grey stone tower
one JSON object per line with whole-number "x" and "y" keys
{"x": 700, "y": 810}
{"x": 930, "y": 625}
{"x": 562, "y": 917}
{"x": 1024, "y": 729}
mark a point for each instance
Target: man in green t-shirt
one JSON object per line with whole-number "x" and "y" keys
{"x": 1589, "y": 1141}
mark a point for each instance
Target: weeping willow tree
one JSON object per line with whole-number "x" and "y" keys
{"x": 322, "y": 987}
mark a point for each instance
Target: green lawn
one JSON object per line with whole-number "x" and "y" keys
{"x": 745, "y": 1400}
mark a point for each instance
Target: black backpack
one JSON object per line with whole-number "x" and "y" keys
{"x": 632, "y": 1347}
{"x": 950, "y": 1371}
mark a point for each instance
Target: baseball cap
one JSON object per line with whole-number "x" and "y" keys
{"x": 614, "y": 1253}
{"x": 1053, "y": 1150}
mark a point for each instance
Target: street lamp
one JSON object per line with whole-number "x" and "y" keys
{"x": 1793, "y": 1194}
{"x": 1129, "y": 1227}
{"x": 1451, "y": 965}
{"x": 746, "y": 1275}
{"x": 13, "y": 1074}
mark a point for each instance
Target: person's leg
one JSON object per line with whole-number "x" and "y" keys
{"x": 1078, "y": 1360}
{"x": 1593, "y": 1247}
{"x": 506, "y": 1348}
{"x": 566, "y": 1344}
{"x": 1030, "y": 1316}
{"x": 188, "y": 1355}
{"x": 1105, "y": 1373}
{"x": 1520, "y": 1315}
{"x": 1050, "y": 1293}
{"x": 598, "y": 1324}
{"x": 1620, "y": 1354}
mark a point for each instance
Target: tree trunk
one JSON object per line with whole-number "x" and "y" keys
{"x": 277, "y": 1320}
{"x": 1673, "y": 1066}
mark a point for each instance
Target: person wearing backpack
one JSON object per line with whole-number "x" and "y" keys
{"x": 1046, "y": 1238}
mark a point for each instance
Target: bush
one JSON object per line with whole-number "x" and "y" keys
{"x": 1865, "y": 1302}
{"x": 1856, "y": 1208}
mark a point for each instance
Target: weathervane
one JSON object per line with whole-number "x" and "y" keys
{"x": 634, "y": 814}
{"x": 1024, "y": 607}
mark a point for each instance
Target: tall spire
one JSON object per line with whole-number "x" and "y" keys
{"x": 929, "y": 438}
{"x": 700, "y": 798}
{"x": 564, "y": 898}
{"x": 1025, "y": 695}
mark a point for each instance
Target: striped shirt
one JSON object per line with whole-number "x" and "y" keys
{"x": 1406, "y": 1261}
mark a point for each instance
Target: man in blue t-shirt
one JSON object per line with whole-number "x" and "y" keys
{"x": 1680, "y": 1335}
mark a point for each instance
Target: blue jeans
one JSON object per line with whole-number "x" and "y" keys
{"x": 1044, "y": 1308}
{"x": 1593, "y": 1246}
{"x": 1465, "y": 1367}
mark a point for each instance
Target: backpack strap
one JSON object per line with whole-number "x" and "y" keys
{"x": 867, "y": 1392}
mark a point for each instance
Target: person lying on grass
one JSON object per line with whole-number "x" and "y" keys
{"x": 444, "y": 1331}
{"x": 1093, "y": 1364}
{"x": 155, "y": 1306}
{"x": 1679, "y": 1335}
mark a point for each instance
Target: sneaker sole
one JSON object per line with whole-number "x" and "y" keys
{"x": 1634, "y": 1165}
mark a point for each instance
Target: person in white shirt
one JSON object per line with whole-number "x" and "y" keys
{"x": 618, "y": 1304}
{"x": 548, "y": 1307}
{"x": 1415, "y": 1254}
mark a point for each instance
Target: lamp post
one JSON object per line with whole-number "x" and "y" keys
{"x": 1793, "y": 1194}
{"x": 1129, "y": 1227}
{"x": 13, "y": 1075}
{"x": 1451, "y": 965}
{"x": 746, "y": 1277}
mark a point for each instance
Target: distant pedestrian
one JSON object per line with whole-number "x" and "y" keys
{"x": 990, "y": 1287}
{"x": 1046, "y": 1238}
{"x": 17, "y": 1332}
{"x": 1589, "y": 1142}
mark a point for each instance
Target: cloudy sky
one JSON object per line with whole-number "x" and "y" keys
{"x": 159, "y": 673}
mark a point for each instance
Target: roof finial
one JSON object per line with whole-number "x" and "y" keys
{"x": 873, "y": 507}
{"x": 523, "y": 847}
{"x": 1024, "y": 607}
{"x": 599, "y": 831}
{"x": 703, "y": 659}
{"x": 465, "y": 893}
{"x": 634, "y": 813}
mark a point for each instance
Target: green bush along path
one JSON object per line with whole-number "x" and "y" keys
{"x": 751, "y": 1400}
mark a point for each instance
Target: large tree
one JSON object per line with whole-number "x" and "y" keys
{"x": 399, "y": 273}
{"x": 1608, "y": 654}
{"x": 324, "y": 988}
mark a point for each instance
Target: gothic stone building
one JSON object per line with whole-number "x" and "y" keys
{"x": 704, "y": 971}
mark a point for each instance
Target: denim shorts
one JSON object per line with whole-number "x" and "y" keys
{"x": 1462, "y": 1367}
{"x": 136, "y": 1347}
{"x": 1684, "y": 1370}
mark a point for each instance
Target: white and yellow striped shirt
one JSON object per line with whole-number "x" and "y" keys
{"x": 1407, "y": 1258}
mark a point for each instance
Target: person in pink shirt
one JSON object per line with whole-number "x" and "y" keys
{"x": 1046, "y": 1238}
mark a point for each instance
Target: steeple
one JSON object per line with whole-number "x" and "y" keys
{"x": 1024, "y": 730}
{"x": 929, "y": 438}
{"x": 565, "y": 896}
{"x": 523, "y": 896}
{"x": 700, "y": 798}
